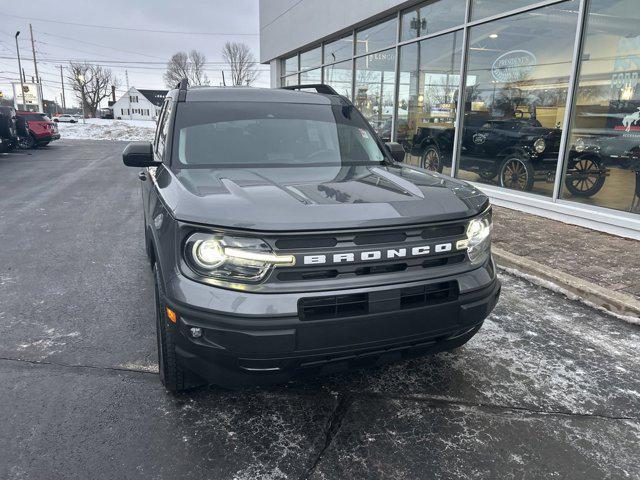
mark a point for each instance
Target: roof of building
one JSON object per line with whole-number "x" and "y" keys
{"x": 253, "y": 94}
{"x": 154, "y": 96}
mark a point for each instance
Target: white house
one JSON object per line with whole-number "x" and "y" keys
{"x": 139, "y": 104}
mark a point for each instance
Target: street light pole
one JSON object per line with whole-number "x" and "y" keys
{"x": 35, "y": 66}
{"x": 24, "y": 103}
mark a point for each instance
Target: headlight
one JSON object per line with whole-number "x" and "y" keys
{"x": 479, "y": 238}
{"x": 539, "y": 145}
{"x": 579, "y": 146}
{"x": 232, "y": 259}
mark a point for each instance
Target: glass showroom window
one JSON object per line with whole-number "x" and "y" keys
{"x": 311, "y": 77}
{"x": 488, "y": 8}
{"x": 337, "y": 50}
{"x": 432, "y": 17}
{"x": 290, "y": 80}
{"x": 290, "y": 65}
{"x": 339, "y": 76}
{"x": 374, "y": 86}
{"x": 603, "y": 166}
{"x": 310, "y": 59}
{"x": 377, "y": 37}
{"x": 516, "y": 89}
{"x": 427, "y": 99}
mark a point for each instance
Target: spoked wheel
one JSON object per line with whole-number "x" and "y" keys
{"x": 517, "y": 174}
{"x": 586, "y": 177}
{"x": 432, "y": 159}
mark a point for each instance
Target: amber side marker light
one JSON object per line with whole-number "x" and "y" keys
{"x": 173, "y": 316}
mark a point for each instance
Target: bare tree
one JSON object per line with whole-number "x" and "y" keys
{"x": 91, "y": 84}
{"x": 241, "y": 62}
{"x": 186, "y": 65}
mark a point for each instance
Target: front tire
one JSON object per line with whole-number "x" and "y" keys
{"x": 172, "y": 375}
{"x": 27, "y": 142}
{"x": 516, "y": 173}
{"x": 431, "y": 159}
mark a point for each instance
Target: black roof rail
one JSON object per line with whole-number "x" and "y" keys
{"x": 318, "y": 87}
{"x": 182, "y": 89}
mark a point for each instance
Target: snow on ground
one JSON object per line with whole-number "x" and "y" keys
{"x": 103, "y": 129}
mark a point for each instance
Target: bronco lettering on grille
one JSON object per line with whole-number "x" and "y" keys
{"x": 372, "y": 255}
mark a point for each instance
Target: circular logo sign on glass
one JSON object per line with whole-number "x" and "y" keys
{"x": 513, "y": 66}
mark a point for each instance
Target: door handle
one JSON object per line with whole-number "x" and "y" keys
{"x": 142, "y": 176}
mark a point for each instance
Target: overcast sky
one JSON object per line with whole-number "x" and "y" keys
{"x": 203, "y": 25}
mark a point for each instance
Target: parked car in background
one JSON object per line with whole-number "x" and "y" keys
{"x": 65, "y": 118}
{"x": 8, "y": 130}
{"x": 106, "y": 113}
{"x": 519, "y": 151}
{"x": 42, "y": 130}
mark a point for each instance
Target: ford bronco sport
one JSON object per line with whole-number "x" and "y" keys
{"x": 286, "y": 238}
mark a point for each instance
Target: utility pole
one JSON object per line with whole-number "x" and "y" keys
{"x": 20, "y": 70}
{"x": 35, "y": 66}
{"x": 126, "y": 75}
{"x": 64, "y": 103}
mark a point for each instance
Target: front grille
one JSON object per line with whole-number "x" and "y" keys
{"x": 383, "y": 237}
{"x": 357, "y": 304}
{"x": 374, "y": 239}
{"x": 350, "y": 270}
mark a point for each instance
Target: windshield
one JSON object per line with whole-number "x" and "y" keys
{"x": 36, "y": 117}
{"x": 249, "y": 134}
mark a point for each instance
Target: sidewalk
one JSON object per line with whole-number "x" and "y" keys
{"x": 597, "y": 267}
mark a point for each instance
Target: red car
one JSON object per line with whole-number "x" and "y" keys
{"x": 42, "y": 130}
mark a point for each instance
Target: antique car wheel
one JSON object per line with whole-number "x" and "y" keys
{"x": 432, "y": 159}
{"x": 516, "y": 173}
{"x": 586, "y": 178}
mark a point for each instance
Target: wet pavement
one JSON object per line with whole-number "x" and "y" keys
{"x": 549, "y": 388}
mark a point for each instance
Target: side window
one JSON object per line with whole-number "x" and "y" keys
{"x": 163, "y": 127}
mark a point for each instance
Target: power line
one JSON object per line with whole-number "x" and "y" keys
{"x": 144, "y": 65}
{"x": 111, "y": 27}
{"x": 97, "y": 45}
{"x": 290, "y": 8}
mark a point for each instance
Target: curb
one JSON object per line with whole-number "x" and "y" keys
{"x": 619, "y": 304}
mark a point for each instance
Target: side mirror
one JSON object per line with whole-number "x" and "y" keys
{"x": 396, "y": 151}
{"x": 139, "y": 154}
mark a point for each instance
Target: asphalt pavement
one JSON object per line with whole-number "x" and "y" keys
{"x": 549, "y": 388}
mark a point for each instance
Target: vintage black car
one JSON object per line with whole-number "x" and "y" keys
{"x": 597, "y": 149}
{"x": 518, "y": 151}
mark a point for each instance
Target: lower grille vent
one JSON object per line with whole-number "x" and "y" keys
{"x": 412, "y": 297}
{"x": 353, "y": 305}
{"x": 334, "y": 307}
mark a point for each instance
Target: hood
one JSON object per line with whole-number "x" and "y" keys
{"x": 316, "y": 198}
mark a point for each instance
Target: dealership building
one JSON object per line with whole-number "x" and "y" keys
{"x": 535, "y": 102}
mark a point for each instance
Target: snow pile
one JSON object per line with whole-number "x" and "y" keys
{"x": 99, "y": 129}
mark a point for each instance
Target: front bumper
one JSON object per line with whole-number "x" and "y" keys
{"x": 48, "y": 138}
{"x": 239, "y": 349}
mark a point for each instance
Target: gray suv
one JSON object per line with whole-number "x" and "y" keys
{"x": 286, "y": 238}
